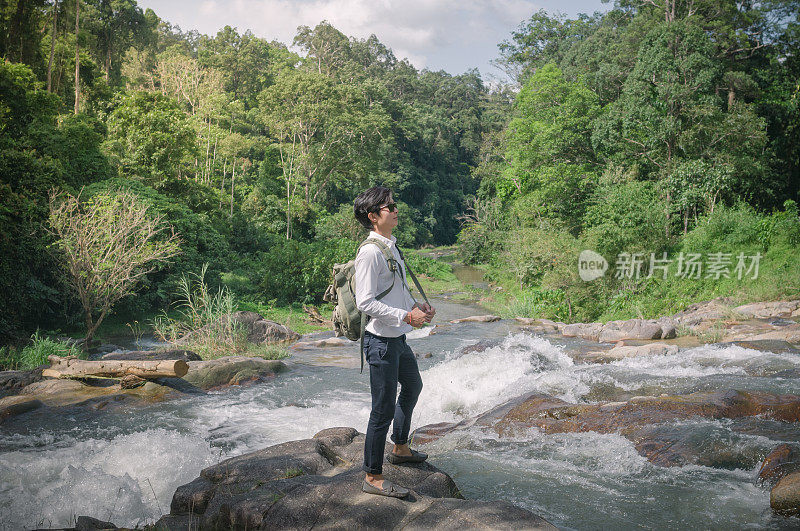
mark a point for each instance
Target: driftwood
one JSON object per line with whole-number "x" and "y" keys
{"x": 72, "y": 367}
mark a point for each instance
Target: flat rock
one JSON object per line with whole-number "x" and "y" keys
{"x": 784, "y": 498}
{"x": 764, "y": 310}
{"x": 790, "y": 334}
{"x": 543, "y": 325}
{"x": 231, "y": 370}
{"x": 317, "y": 483}
{"x": 631, "y": 351}
{"x": 323, "y": 343}
{"x": 695, "y": 314}
{"x": 477, "y": 319}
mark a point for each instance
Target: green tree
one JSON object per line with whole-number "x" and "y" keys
{"x": 149, "y": 136}
{"x": 549, "y": 146}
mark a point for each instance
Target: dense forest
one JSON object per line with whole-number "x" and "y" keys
{"x": 660, "y": 126}
{"x": 251, "y": 152}
{"x": 660, "y": 133}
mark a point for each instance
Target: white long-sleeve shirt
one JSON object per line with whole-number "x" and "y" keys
{"x": 373, "y": 277}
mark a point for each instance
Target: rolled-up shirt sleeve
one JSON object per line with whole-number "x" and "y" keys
{"x": 367, "y": 267}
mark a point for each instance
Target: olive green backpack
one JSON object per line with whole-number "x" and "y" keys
{"x": 348, "y": 320}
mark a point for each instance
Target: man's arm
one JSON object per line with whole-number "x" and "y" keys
{"x": 368, "y": 263}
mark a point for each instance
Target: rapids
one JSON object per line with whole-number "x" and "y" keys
{"x": 124, "y": 465}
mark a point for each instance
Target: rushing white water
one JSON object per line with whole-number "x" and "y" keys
{"x": 125, "y": 466}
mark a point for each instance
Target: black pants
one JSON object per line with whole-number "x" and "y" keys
{"x": 391, "y": 361}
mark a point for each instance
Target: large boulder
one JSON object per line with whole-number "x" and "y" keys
{"x": 231, "y": 370}
{"x": 317, "y": 483}
{"x": 784, "y": 498}
{"x": 630, "y": 329}
{"x": 16, "y": 405}
{"x": 613, "y": 331}
{"x": 12, "y": 382}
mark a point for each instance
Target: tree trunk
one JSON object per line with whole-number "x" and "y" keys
{"x": 71, "y": 367}
{"x": 77, "y": 55}
{"x": 666, "y": 226}
{"x": 233, "y": 180}
{"x": 288, "y": 210}
{"x": 222, "y": 184}
{"x": 52, "y": 49}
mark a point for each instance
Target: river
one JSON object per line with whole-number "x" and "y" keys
{"x": 124, "y": 465}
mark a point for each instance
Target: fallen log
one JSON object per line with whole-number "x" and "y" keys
{"x": 73, "y": 367}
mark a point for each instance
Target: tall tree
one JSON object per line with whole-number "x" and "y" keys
{"x": 77, "y": 55}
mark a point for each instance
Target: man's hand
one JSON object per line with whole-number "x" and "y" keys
{"x": 416, "y": 317}
{"x": 428, "y": 309}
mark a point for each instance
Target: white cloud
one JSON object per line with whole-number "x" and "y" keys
{"x": 440, "y": 34}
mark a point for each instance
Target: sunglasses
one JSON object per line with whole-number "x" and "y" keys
{"x": 391, "y": 207}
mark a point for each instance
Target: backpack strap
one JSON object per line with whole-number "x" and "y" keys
{"x": 413, "y": 276}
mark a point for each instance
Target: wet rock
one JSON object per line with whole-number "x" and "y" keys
{"x": 477, "y": 319}
{"x": 11, "y": 406}
{"x": 173, "y": 354}
{"x": 87, "y": 523}
{"x": 782, "y": 460}
{"x": 784, "y": 498}
{"x": 317, "y": 483}
{"x": 766, "y": 345}
{"x": 642, "y": 419}
{"x": 763, "y": 310}
{"x": 480, "y": 346}
{"x": 259, "y": 329}
{"x": 12, "y": 382}
{"x": 787, "y": 373}
{"x": 231, "y": 370}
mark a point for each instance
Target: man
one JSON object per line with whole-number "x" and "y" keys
{"x": 390, "y": 359}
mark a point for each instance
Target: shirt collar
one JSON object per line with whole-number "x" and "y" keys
{"x": 384, "y": 239}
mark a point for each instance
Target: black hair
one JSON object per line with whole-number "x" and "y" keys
{"x": 370, "y": 200}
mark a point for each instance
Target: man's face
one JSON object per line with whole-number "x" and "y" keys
{"x": 385, "y": 219}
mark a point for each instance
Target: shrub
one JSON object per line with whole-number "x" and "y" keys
{"x": 41, "y": 347}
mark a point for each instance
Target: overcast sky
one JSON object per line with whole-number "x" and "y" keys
{"x": 451, "y": 35}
